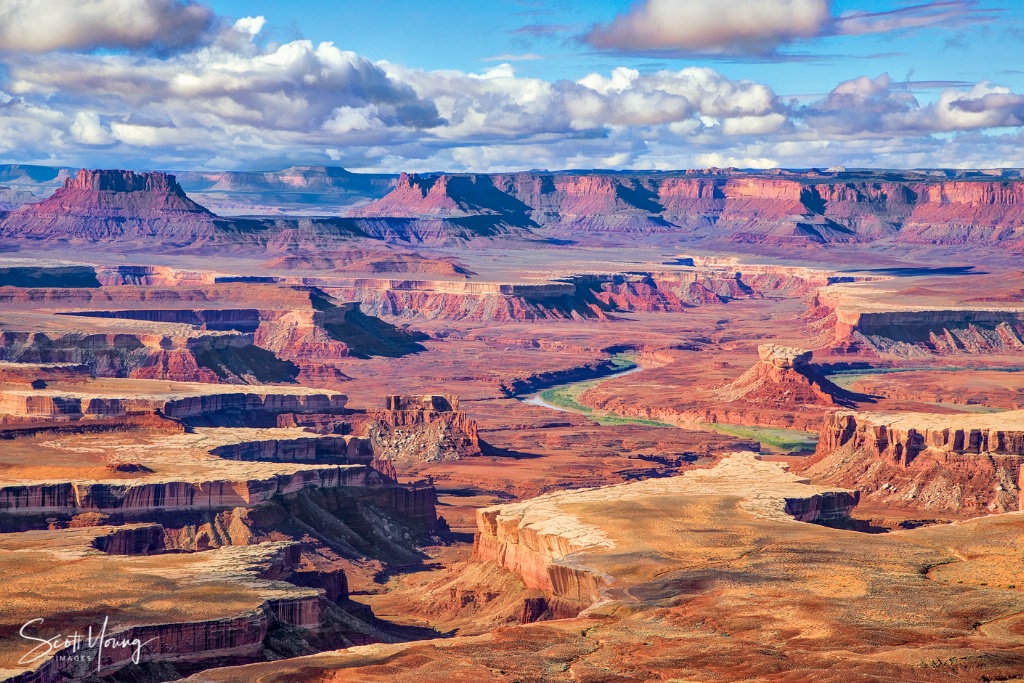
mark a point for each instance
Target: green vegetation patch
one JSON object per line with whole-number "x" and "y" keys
{"x": 566, "y": 397}
{"x": 786, "y": 440}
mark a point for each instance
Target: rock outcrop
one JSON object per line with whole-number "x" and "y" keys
{"x": 967, "y": 463}
{"x": 784, "y": 207}
{"x": 113, "y": 205}
{"x": 137, "y": 539}
{"x": 784, "y": 378}
{"x": 547, "y": 543}
{"x": 425, "y": 428}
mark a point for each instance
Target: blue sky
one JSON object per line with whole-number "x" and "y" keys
{"x": 464, "y": 34}
{"x": 508, "y": 84}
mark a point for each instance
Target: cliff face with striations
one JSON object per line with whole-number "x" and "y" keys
{"x": 105, "y": 205}
{"x": 964, "y": 463}
{"x": 903, "y": 329}
{"x": 250, "y": 408}
{"x": 185, "y": 357}
{"x": 549, "y": 542}
{"x": 790, "y": 207}
{"x": 77, "y": 497}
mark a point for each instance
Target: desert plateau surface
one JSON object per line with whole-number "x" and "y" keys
{"x": 322, "y": 426}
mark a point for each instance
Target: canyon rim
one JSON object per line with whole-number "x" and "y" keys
{"x": 632, "y": 341}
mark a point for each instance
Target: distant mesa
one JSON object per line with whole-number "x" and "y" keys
{"x": 769, "y": 207}
{"x": 103, "y": 205}
{"x": 775, "y": 207}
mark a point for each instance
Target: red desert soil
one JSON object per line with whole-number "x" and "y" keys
{"x": 570, "y": 549}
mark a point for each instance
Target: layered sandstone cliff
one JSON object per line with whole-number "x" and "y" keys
{"x": 584, "y": 295}
{"x": 967, "y": 462}
{"x": 236, "y": 631}
{"x": 107, "y": 205}
{"x": 550, "y": 541}
{"x": 183, "y": 355}
{"x": 143, "y": 495}
{"x": 897, "y": 323}
{"x": 752, "y": 207}
{"x": 756, "y": 207}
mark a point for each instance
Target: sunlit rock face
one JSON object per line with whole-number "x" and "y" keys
{"x": 962, "y": 463}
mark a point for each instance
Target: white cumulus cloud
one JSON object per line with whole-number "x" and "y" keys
{"x": 46, "y": 25}
{"x": 713, "y": 27}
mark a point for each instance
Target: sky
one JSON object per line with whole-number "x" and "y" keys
{"x": 469, "y": 85}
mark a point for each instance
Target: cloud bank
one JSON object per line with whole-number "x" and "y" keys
{"x": 45, "y": 25}
{"x": 229, "y": 99}
{"x": 757, "y": 27}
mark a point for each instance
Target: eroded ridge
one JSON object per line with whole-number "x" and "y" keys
{"x": 225, "y": 602}
{"x": 541, "y": 539}
{"x": 961, "y": 462}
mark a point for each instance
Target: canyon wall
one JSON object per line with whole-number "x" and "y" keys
{"x": 75, "y": 497}
{"x": 597, "y": 295}
{"x": 757, "y": 207}
{"x": 908, "y": 331}
{"x": 778, "y": 207}
{"x": 962, "y": 463}
{"x": 186, "y": 357}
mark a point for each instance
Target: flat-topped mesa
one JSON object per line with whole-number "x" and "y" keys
{"x": 969, "y": 462}
{"x": 141, "y": 194}
{"x": 784, "y": 377}
{"x": 421, "y": 428}
{"x": 123, "y": 181}
{"x": 784, "y": 357}
{"x": 432, "y": 402}
{"x": 99, "y": 205}
{"x": 556, "y": 548}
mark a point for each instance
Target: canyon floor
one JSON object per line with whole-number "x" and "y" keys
{"x": 388, "y": 446}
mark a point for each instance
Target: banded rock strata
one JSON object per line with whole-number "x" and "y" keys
{"x": 965, "y": 462}
{"x": 543, "y": 540}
